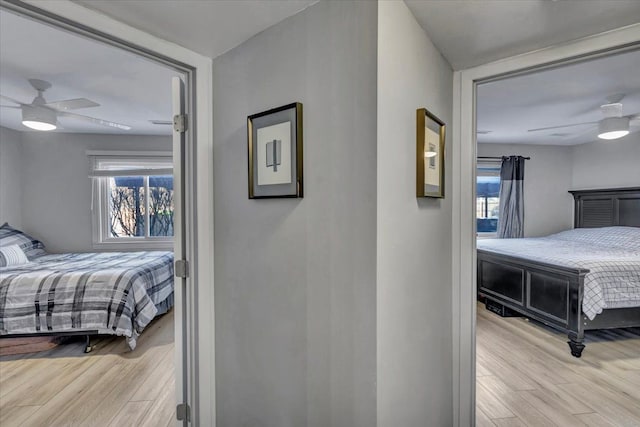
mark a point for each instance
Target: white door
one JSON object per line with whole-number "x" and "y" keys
{"x": 180, "y": 253}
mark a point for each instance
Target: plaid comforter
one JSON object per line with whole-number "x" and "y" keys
{"x": 113, "y": 293}
{"x": 611, "y": 254}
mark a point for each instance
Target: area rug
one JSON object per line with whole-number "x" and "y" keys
{"x": 11, "y": 346}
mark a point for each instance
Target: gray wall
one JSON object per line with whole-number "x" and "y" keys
{"x": 607, "y": 164}
{"x": 295, "y": 279}
{"x": 548, "y": 207}
{"x": 56, "y": 189}
{"x": 554, "y": 170}
{"x": 10, "y": 182}
{"x": 414, "y": 344}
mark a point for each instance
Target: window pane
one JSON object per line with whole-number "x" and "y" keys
{"x": 126, "y": 206}
{"x": 493, "y": 204}
{"x": 481, "y": 205}
{"x": 161, "y": 205}
{"x": 487, "y": 203}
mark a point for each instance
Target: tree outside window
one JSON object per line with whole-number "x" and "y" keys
{"x": 136, "y": 201}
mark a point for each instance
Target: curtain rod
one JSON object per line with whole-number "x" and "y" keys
{"x": 499, "y": 158}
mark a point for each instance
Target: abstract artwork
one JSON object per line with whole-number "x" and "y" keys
{"x": 274, "y": 154}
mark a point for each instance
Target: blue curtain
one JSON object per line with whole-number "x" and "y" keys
{"x": 511, "y": 211}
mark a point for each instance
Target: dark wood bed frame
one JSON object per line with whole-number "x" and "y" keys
{"x": 552, "y": 294}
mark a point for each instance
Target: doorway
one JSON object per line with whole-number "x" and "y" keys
{"x": 464, "y": 138}
{"x": 193, "y": 152}
{"x": 539, "y": 133}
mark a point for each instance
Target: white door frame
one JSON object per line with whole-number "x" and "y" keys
{"x": 463, "y": 193}
{"x": 199, "y": 185}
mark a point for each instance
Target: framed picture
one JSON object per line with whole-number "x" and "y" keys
{"x": 430, "y": 132}
{"x": 275, "y": 152}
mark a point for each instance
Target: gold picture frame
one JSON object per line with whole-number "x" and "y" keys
{"x": 275, "y": 153}
{"x": 430, "y": 154}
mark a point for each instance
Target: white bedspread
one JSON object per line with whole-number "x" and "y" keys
{"x": 612, "y": 255}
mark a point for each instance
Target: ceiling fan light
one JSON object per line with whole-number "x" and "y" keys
{"x": 38, "y": 125}
{"x": 38, "y": 118}
{"x": 613, "y": 135}
{"x": 613, "y": 127}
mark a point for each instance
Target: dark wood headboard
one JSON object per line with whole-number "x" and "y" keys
{"x": 607, "y": 207}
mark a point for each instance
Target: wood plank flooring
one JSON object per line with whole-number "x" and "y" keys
{"x": 111, "y": 386}
{"x": 527, "y": 377}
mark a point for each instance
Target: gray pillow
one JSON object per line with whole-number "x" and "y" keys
{"x": 31, "y": 247}
{"x": 12, "y": 255}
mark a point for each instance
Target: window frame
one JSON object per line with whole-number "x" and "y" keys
{"x": 495, "y": 166}
{"x": 102, "y": 238}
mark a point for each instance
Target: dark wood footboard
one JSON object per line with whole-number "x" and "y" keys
{"x": 544, "y": 292}
{"x": 547, "y": 293}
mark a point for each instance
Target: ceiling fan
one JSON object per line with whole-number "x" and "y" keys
{"x": 613, "y": 125}
{"x": 43, "y": 115}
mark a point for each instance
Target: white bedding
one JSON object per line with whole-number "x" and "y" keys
{"x": 612, "y": 255}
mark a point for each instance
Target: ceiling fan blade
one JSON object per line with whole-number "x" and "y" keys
{"x": 161, "y": 122}
{"x": 72, "y": 104}
{"x": 12, "y": 100}
{"x": 613, "y": 98}
{"x": 581, "y": 133}
{"x": 560, "y": 127}
{"x": 95, "y": 120}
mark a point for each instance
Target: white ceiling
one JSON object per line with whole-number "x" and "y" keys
{"x": 474, "y": 32}
{"x": 566, "y": 95}
{"x": 209, "y": 27}
{"x": 130, "y": 90}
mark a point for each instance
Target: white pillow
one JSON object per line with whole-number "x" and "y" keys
{"x": 12, "y": 255}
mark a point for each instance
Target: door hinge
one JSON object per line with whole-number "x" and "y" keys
{"x": 180, "y": 123}
{"x": 183, "y": 412}
{"x": 181, "y": 268}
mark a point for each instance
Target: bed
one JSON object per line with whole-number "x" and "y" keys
{"x": 578, "y": 280}
{"x": 114, "y": 293}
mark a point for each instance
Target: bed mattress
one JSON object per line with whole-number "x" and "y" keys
{"x": 611, "y": 254}
{"x": 116, "y": 293}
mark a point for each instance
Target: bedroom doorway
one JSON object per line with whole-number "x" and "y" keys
{"x": 534, "y": 387}
{"x": 161, "y": 182}
{"x": 538, "y": 146}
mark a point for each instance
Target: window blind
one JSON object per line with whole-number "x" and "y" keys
{"x": 124, "y": 165}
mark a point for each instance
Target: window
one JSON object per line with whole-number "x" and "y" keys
{"x": 133, "y": 201}
{"x": 487, "y": 198}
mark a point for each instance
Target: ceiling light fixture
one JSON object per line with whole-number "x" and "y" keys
{"x": 38, "y": 118}
{"x": 613, "y": 127}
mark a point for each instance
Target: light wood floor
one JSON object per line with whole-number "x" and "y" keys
{"x": 527, "y": 377}
{"x": 111, "y": 386}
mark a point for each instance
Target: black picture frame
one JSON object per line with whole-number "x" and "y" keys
{"x": 275, "y": 153}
